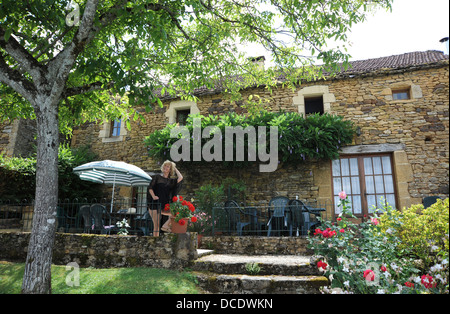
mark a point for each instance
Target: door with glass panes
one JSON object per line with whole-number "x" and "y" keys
{"x": 368, "y": 181}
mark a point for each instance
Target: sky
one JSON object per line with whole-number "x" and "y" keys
{"x": 413, "y": 25}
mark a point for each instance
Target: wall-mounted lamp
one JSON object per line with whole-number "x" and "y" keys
{"x": 358, "y": 131}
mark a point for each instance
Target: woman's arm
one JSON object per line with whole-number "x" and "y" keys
{"x": 152, "y": 193}
{"x": 179, "y": 175}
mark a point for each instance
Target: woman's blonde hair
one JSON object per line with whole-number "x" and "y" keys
{"x": 172, "y": 167}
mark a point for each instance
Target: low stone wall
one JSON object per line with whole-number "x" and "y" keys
{"x": 103, "y": 251}
{"x": 256, "y": 245}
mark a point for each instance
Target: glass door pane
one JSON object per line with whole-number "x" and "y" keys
{"x": 379, "y": 182}
{"x": 346, "y": 178}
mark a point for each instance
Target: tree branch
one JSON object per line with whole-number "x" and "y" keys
{"x": 86, "y": 89}
{"x": 16, "y": 81}
{"x": 18, "y": 53}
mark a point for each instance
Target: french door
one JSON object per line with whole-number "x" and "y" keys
{"x": 368, "y": 181}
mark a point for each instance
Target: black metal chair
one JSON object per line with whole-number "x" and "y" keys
{"x": 429, "y": 200}
{"x": 279, "y": 205}
{"x": 234, "y": 213}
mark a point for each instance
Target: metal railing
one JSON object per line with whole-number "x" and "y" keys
{"x": 101, "y": 217}
{"x": 87, "y": 216}
{"x": 294, "y": 219}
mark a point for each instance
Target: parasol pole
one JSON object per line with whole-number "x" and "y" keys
{"x": 112, "y": 198}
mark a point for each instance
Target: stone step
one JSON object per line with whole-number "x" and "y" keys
{"x": 292, "y": 265}
{"x": 230, "y": 273}
{"x": 274, "y": 284}
{"x": 256, "y": 245}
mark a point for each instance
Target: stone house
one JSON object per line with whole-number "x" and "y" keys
{"x": 400, "y": 105}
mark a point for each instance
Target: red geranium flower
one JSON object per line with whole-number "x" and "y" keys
{"x": 180, "y": 208}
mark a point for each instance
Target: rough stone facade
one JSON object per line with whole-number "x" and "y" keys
{"x": 414, "y": 132}
{"x": 17, "y": 137}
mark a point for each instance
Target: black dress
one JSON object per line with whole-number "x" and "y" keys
{"x": 165, "y": 189}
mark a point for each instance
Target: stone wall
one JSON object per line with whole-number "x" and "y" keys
{"x": 103, "y": 251}
{"x": 418, "y": 126}
{"x": 17, "y": 137}
{"x": 256, "y": 245}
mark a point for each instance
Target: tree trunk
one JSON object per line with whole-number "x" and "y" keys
{"x": 37, "y": 277}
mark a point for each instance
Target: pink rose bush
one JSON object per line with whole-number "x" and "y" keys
{"x": 359, "y": 258}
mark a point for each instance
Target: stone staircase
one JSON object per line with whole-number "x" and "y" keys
{"x": 226, "y": 272}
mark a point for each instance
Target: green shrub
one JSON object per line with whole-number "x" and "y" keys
{"x": 18, "y": 176}
{"x": 425, "y": 232}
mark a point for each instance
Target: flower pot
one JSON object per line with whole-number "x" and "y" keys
{"x": 199, "y": 240}
{"x": 177, "y": 227}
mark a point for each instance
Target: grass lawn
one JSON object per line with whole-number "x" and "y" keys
{"x": 104, "y": 281}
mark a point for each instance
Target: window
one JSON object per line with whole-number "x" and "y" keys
{"x": 182, "y": 116}
{"x": 112, "y": 131}
{"x": 367, "y": 180}
{"x": 314, "y": 105}
{"x": 400, "y": 94}
{"x": 313, "y": 99}
{"x": 115, "y": 127}
{"x": 179, "y": 109}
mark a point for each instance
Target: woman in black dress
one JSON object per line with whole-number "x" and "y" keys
{"x": 161, "y": 189}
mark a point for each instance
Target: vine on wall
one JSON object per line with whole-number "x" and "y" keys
{"x": 299, "y": 139}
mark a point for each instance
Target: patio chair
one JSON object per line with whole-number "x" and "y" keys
{"x": 309, "y": 222}
{"x": 61, "y": 217}
{"x": 234, "y": 213}
{"x": 85, "y": 214}
{"x": 297, "y": 217}
{"x": 144, "y": 223}
{"x": 98, "y": 212}
{"x": 278, "y": 204}
{"x": 429, "y": 200}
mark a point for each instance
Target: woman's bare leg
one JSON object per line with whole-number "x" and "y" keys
{"x": 155, "y": 218}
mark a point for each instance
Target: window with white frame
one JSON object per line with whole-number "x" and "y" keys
{"x": 368, "y": 181}
{"x": 113, "y": 131}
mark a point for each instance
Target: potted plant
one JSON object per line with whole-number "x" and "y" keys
{"x": 181, "y": 212}
{"x": 202, "y": 226}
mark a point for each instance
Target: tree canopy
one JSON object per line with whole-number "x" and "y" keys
{"x": 64, "y": 63}
{"x": 135, "y": 48}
